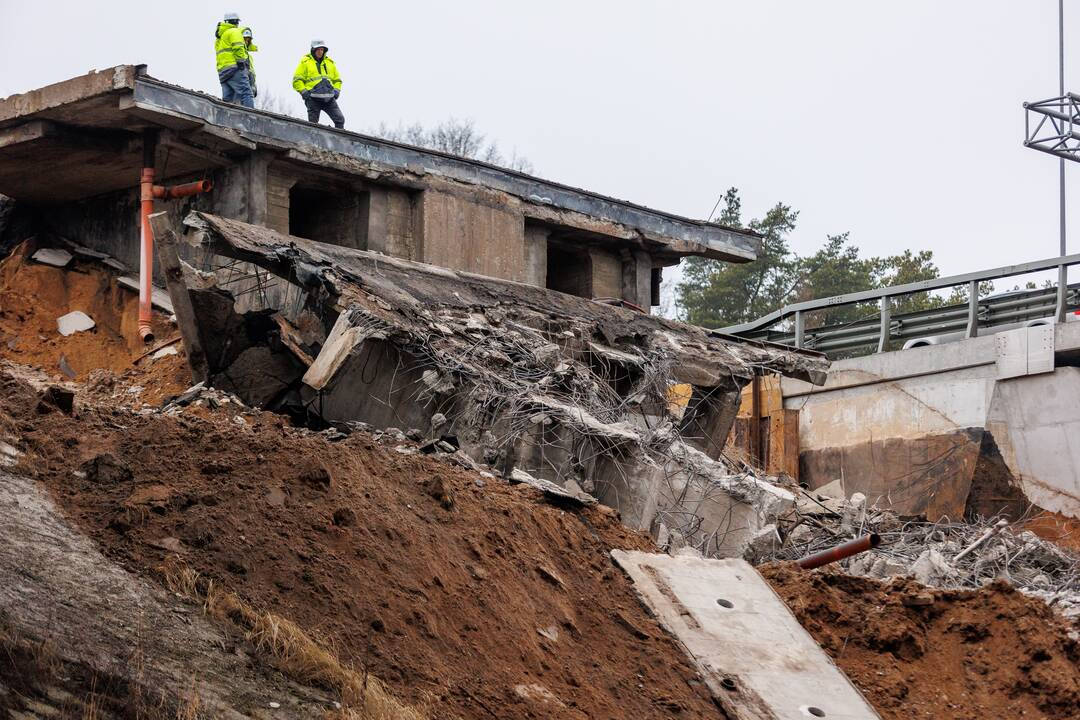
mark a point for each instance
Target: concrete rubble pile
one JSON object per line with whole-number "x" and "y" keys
{"x": 943, "y": 554}
{"x": 533, "y": 385}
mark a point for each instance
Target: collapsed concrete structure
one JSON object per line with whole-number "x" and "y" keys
{"x": 347, "y": 279}
{"x": 532, "y": 383}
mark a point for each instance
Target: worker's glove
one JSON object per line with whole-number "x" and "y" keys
{"x": 337, "y": 94}
{"x": 305, "y": 93}
{"x": 242, "y": 64}
{"x": 254, "y": 91}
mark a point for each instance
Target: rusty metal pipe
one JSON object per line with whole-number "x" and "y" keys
{"x": 163, "y": 192}
{"x": 146, "y": 237}
{"x": 851, "y": 547}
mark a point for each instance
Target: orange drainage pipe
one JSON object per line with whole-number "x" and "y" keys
{"x": 162, "y": 192}
{"x": 146, "y": 238}
{"x": 851, "y": 547}
{"x": 147, "y": 192}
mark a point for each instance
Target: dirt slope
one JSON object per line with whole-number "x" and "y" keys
{"x": 468, "y": 596}
{"x": 59, "y": 597}
{"x": 33, "y": 296}
{"x": 947, "y": 655}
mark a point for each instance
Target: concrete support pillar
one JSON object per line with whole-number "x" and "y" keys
{"x": 464, "y": 232}
{"x": 607, "y": 273}
{"x": 378, "y": 212}
{"x": 258, "y": 186}
{"x": 536, "y": 243}
{"x": 637, "y": 277}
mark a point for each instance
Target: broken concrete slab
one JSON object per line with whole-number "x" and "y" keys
{"x": 713, "y": 508}
{"x": 757, "y": 660}
{"x": 571, "y": 493}
{"x": 73, "y": 322}
{"x": 52, "y": 256}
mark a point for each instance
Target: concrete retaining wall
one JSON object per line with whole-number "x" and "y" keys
{"x": 943, "y": 430}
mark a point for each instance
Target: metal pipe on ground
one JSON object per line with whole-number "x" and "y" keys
{"x": 844, "y": 550}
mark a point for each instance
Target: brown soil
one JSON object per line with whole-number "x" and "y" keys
{"x": 469, "y": 597}
{"x": 33, "y": 296}
{"x": 949, "y": 655}
{"x": 1065, "y": 531}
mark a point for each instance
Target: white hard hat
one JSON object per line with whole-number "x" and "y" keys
{"x": 232, "y": 17}
{"x": 246, "y": 32}
{"x": 318, "y": 44}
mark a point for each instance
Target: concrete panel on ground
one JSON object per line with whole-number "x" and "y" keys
{"x": 757, "y": 660}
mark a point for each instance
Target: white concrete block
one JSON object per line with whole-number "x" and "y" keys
{"x": 754, "y": 655}
{"x": 73, "y": 322}
{"x": 52, "y": 256}
{"x": 165, "y": 352}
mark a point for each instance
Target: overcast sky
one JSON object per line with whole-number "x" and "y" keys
{"x": 898, "y": 121}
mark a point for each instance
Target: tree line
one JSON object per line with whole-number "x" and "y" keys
{"x": 717, "y": 294}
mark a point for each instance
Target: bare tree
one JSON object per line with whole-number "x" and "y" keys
{"x": 457, "y": 137}
{"x": 276, "y": 104}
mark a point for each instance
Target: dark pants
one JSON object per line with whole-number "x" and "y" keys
{"x": 236, "y": 87}
{"x": 330, "y": 107}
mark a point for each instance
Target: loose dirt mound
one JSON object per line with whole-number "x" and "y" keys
{"x": 470, "y": 597}
{"x": 33, "y": 296}
{"x": 949, "y": 655}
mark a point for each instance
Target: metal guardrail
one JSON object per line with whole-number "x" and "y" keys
{"x": 968, "y": 318}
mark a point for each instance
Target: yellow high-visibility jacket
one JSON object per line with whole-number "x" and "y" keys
{"x": 252, "y": 48}
{"x": 320, "y": 77}
{"x": 229, "y": 46}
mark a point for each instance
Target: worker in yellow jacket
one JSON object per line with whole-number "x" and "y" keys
{"x": 232, "y": 62}
{"x": 251, "y": 47}
{"x": 319, "y": 83}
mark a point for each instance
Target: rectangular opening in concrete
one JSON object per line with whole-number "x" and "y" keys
{"x": 329, "y": 215}
{"x": 569, "y": 270}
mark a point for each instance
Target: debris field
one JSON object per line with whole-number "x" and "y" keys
{"x": 424, "y": 568}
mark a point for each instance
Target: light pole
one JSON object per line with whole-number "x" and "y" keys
{"x": 1063, "y": 272}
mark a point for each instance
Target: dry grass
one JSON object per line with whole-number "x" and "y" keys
{"x": 33, "y": 669}
{"x": 291, "y": 650}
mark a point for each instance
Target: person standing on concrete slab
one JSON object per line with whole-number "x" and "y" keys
{"x": 251, "y": 47}
{"x": 319, "y": 83}
{"x": 232, "y": 62}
